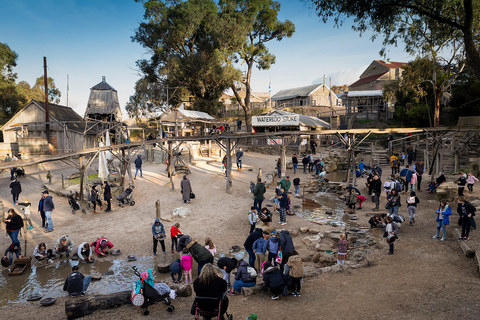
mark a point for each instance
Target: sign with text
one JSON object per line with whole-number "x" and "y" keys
{"x": 276, "y": 120}
{"x": 273, "y": 142}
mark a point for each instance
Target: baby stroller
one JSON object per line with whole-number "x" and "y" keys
{"x": 126, "y": 197}
{"x": 74, "y": 204}
{"x": 20, "y": 172}
{"x": 147, "y": 294}
{"x": 208, "y": 308}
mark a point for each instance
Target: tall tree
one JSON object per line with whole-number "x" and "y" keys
{"x": 147, "y": 100}
{"x": 8, "y": 60}
{"x": 386, "y": 18}
{"x": 262, "y": 26}
{"x": 54, "y": 93}
{"x": 188, "y": 46}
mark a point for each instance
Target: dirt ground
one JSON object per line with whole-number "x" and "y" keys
{"x": 424, "y": 279}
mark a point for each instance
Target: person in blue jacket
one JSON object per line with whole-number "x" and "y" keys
{"x": 443, "y": 214}
{"x": 176, "y": 269}
{"x": 260, "y": 248}
{"x": 138, "y": 166}
{"x": 158, "y": 232}
{"x": 406, "y": 173}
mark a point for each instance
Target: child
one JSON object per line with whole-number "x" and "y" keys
{"x": 391, "y": 228}
{"x": 252, "y": 218}
{"x": 443, "y": 213}
{"x": 265, "y": 216}
{"x": 296, "y": 184}
{"x": 361, "y": 167}
{"x": 210, "y": 246}
{"x": 27, "y": 213}
{"x": 273, "y": 244}
{"x": 176, "y": 270}
{"x": 412, "y": 207}
{"x": 186, "y": 264}
{"x": 158, "y": 233}
{"x": 175, "y": 233}
{"x": 403, "y": 158}
{"x": 260, "y": 248}
{"x": 387, "y": 186}
{"x": 470, "y": 182}
{"x": 294, "y": 270}
{"x": 461, "y": 182}
{"x": 342, "y": 249}
{"x": 413, "y": 181}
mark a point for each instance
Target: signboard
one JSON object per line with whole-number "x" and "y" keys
{"x": 272, "y": 142}
{"x": 276, "y": 120}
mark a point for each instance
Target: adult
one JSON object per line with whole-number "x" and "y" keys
{"x": 390, "y": 230}
{"x": 294, "y": 271}
{"x": 279, "y": 167}
{"x": 285, "y": 183}
{"x": 265, "y": 216}
{"x": 438, "y": 181}
{"x": 209, "y": 284}
{"x": 443, "y": 214}
{"x": 406, "y": 174}
{"x": 313, "y": 146}
{"x": 84, "y": 252}
{"x": 393, "y": 199}
{"x": 13, "y": 224}
{"x": 412, "y": 202}
{"x": 76, "y": 283}
{"x": 185, "y": 189}
{"x": 41, "y": 252}
{"x": 419, "y": 169}
{"x": 199, "y": 253}
{"x": 248, "y": 245}
{"x": 107, "y": 196}
{"x": 274, "y": 280}
{"x": 8, "y": 158}
{"x": 41, "y": 211}
{"x": 239, "y": 125}
{"x": 305, "y": 164}
{"x": 466, "y": 211}
{"x": 242, "y": 278}
{"x": 16, "y": 189}
{"x": 239, "y": 156}
{"x": 48, "y": 208}
{"x": 258, "y": 194}
{"x": 13, "y": 170}
{"x": 461, "y": 182}
{"x": 377, "y": 170}
{"x": 295, "y": 163}
{"x": 226, "y": 265}
{"x": 286, "y": 247}
{"x": 310, "y": 162}
{"x": 159, "y": 234}
{"x": 283, "y": 202}
{"x": 95, "y": 199}
{"x": 394, "y": 163}
{"x": 63, "y": 245}
{"x": 138, "y": 166}
{"x": 410, "y": 156}
{"x": 296, "y": 185}
{"x": 361, "y": 198}
{"x": 100, "y": 246}
{"x": 376, "y": 191}
{"x": 13, "y": 248}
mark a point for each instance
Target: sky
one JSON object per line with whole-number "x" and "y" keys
{"x": 87, "y": 39}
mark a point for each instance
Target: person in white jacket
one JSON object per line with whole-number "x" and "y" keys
{"x": 84, "y": 252}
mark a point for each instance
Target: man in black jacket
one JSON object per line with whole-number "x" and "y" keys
{"x": 227, "y": 265}
{"x": 257, "y": 234}
{"x": 286, "y": 246}
{"x": 76, "y": 283}
{"x": 376, "y": 191}
{"x": 466, "y": 211}
{"x": 107, "y": 195}
{"x": 16, "y": 190}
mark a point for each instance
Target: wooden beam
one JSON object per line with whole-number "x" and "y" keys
{"x": 170, "y": 164}
{"x": 229, "y": 167}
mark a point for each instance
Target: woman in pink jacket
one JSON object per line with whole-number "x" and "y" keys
{"x": 471, "y": 181}
{"x": 413, "y": 180}
{"x": 100, "y": 245}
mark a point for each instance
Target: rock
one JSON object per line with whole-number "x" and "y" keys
{"x": 352, "y": 239}
{"x": 322, "y": 246}
{"x": 109, "y": 273}
{"x": 297, "y": 205}
{"x": 304, "y": 229}
{"x": 332, "y": 269}
{"x": 183, "y": 290}
{"x": 314, "y": 231}
{"x": 311, "y": 271}
{"x": 181, "y": 212}
{"x": 307, "y": 258}
{"x": 163, "y": 267}
{"x": 312, "y": 240}
{"x": 334, "y": 235}
{"x": 329, "y": 212}
{"x": 294, "y": 232}
{"x": 252, "y": 290}
{"x": 269, "y": 205}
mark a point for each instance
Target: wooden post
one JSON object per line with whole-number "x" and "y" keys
{"x": 456, "y": 162}
{"x": 63, "y": 182}
{"x": 123, "y": 168}
{"x": 81, "y": 178}
{"x": 157, "y": 207}
{"x": 229, "y": 166}
{"x": 170, "y": 164}
{"x": 349, "y": 158}
{"x": 283, "y": 157}
{"x": 209, "y": 148}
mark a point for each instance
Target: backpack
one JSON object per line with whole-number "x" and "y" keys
{"x": 251, "y": 272}
{"x": 411, "y": 200}
{"x": 395, "y": 162}
{"x": 353, "y": 198}
{"x": 398, "y": 186}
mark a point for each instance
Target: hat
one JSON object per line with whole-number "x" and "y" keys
{"x": 288, "y": 177}
{"x": 274, "y": 232}
{"x": 252, "y": 316}
{"x": 103, "y": 243}
{"x": 75, "y": 268}
{"x": 45, "y": 192}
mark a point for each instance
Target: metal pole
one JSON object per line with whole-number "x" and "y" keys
{"x": 47, "y": 118}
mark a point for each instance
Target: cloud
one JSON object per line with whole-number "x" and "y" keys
{"x": 346, "y": 76}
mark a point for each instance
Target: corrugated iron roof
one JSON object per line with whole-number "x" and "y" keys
{"x": 365, "y": 93}
{"x": 392, "y": 64}
{"x": 295, "y": 92}
{"x": 367, "y": 79}
{"x": 103, "y": 85}
{"x": 304, "y": 120}
{"x": 194, "y": 114}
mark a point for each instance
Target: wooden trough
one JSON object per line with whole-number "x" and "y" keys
{"x": 20, "y": 265}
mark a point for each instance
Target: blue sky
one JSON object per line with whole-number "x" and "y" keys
{"x": 89, "y": 39}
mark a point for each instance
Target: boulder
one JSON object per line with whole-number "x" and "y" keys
{"x": 163, "y": 267}
{"x": 183, "y": 290}
{"x": 314, "y": 231}
{"x": 304, "y": 229}
{"x": 322, "y": 246}
{"x": 294, "y": 232}
{"x": 181, "y": 212}
{"x": 307, "y": 258}
{"x": 311, "y": 271}
{"x": 259, "y": 287}
{"x": 311, "y": 240}
{"x": 334, "y": 235}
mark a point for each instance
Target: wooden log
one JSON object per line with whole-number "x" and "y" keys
{"x": 78, "y": 308}
{"x": 477, "y": 260}
{"x": 229, "y": 167}
{"x": 157, "y": 207}
{"x": 469, "y": 253}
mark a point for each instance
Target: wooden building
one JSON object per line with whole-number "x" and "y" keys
{"x": 313, "y": 95}
{"x": 103, "y": 103}
{"x": 27, "y": 129}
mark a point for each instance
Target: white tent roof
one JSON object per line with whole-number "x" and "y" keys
{"x": 366, "y": 93}
{"x": 186, "y": 115}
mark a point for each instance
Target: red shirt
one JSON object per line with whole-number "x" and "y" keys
{"x": 174, "y": 231}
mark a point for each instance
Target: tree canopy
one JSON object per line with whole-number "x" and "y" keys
{"x": 11, "y": 97}
{"x": 386, "y": 19}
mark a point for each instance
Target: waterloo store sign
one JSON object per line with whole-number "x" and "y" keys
{"x": 275, "y": 120}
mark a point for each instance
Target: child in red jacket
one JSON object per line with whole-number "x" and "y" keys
{"x": 175, "y": 233}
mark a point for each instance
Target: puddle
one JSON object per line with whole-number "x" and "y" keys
{"x": 48, "y": 279}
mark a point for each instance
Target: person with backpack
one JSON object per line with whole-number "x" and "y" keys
{"x": 245, "y": 277}
{"x": 260, "y": 248}
{"x": 406, "y": 173}
{"x": 252, "y": 218}
{"x": 296, "y": 185}
{"x": 394, "y": 163}
{"x": 443, "y": 214}
{"x": 286, "y": 247}
{"x": 393, "y": 200}
{"x": 466, "y": 211}
{"x": 391, "y": 230}
{"x": 305, "y": 164}
{"x": 461, "y": 182}
{"x": 273, "y": 280}
{"x": 294, "y": 271}
{"x": 295, "y": 163}
{"x": 351, "y": 198}
{"x": 419, "y": 169}
{"x": 412, "y": 206}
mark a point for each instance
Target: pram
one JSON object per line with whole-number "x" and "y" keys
{"x": 126, "y": 197}
{"x": 74, "y": 204}
{"x": 20, "y": 172}
{"x": 208, "y": 308}
{"x": 150, "y": 295}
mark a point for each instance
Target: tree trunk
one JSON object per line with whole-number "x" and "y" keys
{"x": 80, "y": 307}
{"x": 471, "y": 53}
{"x": 436, "y": 113}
